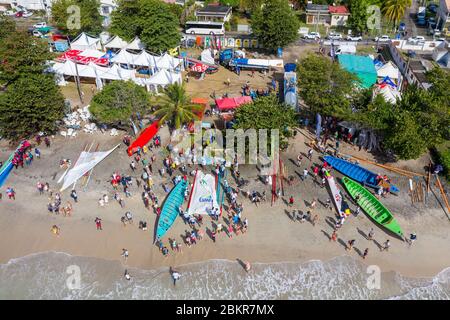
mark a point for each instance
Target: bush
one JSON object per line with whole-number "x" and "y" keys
{"x": 443, "y": 157}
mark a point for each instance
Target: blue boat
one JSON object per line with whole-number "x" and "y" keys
{"x": 170, "y": 209}
{"x": 356, "y": 172}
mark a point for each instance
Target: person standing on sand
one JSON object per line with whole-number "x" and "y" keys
{"x": 305, "y": 174}
{"x": 412, "y": 238}
{"x": 386, "y": 246}
{"x": 247, "y": 266}
{"x": 334, "y": 236}
{"x": 299, "y": 160}
{"x": 55, "y": 230}
{"x": 98, "y": 223}
{"x": 125, "y": 254}
{"x": 315, "y": 219}
{"x": 291, "y": 201}
{"x": 11, "y": 193}
{"x": 350, "y": 245}
{"x": 370, "y": 235}
{"x": 73, "y": 195}
{"x": 127, "y": 275}
{"x": 366, "y": 252}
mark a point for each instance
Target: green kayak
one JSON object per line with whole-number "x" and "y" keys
{"x": 372, "y": 206}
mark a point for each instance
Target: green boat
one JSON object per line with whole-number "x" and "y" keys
{"x": 372, "y": 206}
{"x": 170, "y": 209}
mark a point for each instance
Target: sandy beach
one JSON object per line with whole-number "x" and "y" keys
{"x": 272, "y": 235}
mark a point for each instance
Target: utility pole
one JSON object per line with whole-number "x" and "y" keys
{"x": 77, "y": 80}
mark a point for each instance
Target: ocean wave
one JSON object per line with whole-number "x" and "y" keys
{"x": 50, "y": 275}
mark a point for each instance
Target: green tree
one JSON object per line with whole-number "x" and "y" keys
{"x": 267, "y": 113}
{"x": 90, "y": 18}
{"x": 230, "y": 3}
{"x": 7, "y": 26}
{"x": 124, "y": 19}
{"x": 250, "y": 5}
{"x": 31, "y": 104}
{"x": 357, "y": 20}
{"x": 153, "y": 21}
{"x": 118, "y": 101}
{"x": 159, "y": 26}
{"x": 21, "y": 54}
{"x": 394, "y": 10}
{"x": 324, "y": 86}
{"x": 176, "y": 107}
{"x": 275, "y": 25}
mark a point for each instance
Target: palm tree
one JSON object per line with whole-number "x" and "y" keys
{"x": 394, "y": 10}
{"x": 176, "y": 106}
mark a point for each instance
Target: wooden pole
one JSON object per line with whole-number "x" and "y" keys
{"x": 398, "y": 170}
{"x": 444, "y": 196}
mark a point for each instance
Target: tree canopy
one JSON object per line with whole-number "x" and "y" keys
{"x": 357, "y": 21}
{"x": 7, "y": 26}
{"x": 118, "y": 101}
{"x": 31, "y": 104}
{"x": 153, "y": 21}
{"x": 90, "y": 18}
{"x": 324, "y": 86}
{"x": 21, "y": 54}
{"x": 275, "y": 24}
{"x": 394, "y": 10}
{"x": 176, "y": 107}
{"x": 266, "y": 113}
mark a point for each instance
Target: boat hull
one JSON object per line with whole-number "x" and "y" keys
{"x": 372, "y": 206}
{"x": 357, "y": 173}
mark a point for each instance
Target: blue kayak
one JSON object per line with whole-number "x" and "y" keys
{"x": 356, "y": 172}
{"x": 170, "y": 209}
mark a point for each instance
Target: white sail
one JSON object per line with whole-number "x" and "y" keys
{"x": 204, "y": 196}
{"x": 85, "y": 163}
{"x": 335, "y": 193}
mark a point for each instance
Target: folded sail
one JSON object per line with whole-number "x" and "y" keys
{"x": 85, "y": 163}
{"x": 204, "y": 195}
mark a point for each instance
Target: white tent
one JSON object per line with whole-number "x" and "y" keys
{"x": 388, "y": 70}
{"x": 124, "y": 57}
{"x": 389, "y": 94}
{"x": 136, "y": 44}
{"x": 92, "y": 70}
{"x": 84, "y": 164}
{"x": 84, "y": 41}
{"x": 168, "y": 62}
{"x": 145, "y": 59}
{"x": 69, "y": 68}
{"x": 92, "y": 53}
{"x": 164, "y": 78}
{"x": 112, "y": 73}
{"x": 207, "y": 57}
{"x": 116, "y": 43}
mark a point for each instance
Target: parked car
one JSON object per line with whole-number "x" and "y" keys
{"x": 36, "y": 33}
{"x": 312, "y": 35}
{"x": 354, "y": 38}
{"x": 10, "y": 13}
{"x": 383, "y": 38}
{"x": 416, "y": 39}
{"x": 40, "y": 25}
{"x": 27, "y": 14}
{"x": 335, "y": 36}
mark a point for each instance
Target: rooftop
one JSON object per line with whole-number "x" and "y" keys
{"x": 316, "y": 7}
{"x": 214, "y": 8}
{"x": 339, "y": 9}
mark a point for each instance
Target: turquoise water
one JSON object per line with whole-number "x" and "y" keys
{"x": 44, "y": 276}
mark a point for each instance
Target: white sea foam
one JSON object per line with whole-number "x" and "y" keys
{"x": 43, "y": 276}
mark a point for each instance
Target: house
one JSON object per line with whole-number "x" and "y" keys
{"x": 317, "y": 14}
{"x": 214, "y": 12}
{"x": 442, "y": 56}
{"x": 443, "y": 17}
{"x": 326, "y": 15}
{"x": 338, "y": 15}
{"x": 106, "y": 8}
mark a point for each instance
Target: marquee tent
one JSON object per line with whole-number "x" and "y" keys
{"x": 84, "y": 41}
{"x": 207, "y": 57}
{"x": 136, "y": 44}
{"x": 145, "y": 59}
{"x": 164, "y": 78}
{"x": 232, "y": 103}
{"x": 124, "y": 57}
{"x": 389, "y": 93}
{"x": 92, "y": 70}
{"x": 116, "y": 42}
{"x": 361, "y": 66}
{"x": 168, "y": 62}
{"x": 389, "y": 70}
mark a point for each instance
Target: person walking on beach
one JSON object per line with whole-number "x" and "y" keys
{"x": 412, "y": 238}
{"x": 313, "y": 204}
{"x": 175, "y": 275}
{"x": 366, "y": 252}
{"x": 125, "y": 254}
{"x": 55, "y": 230}
{"x": 370, "y": 235}
{"x": 305, "y": 174}
{"x": 386, "y": 246}
{"x": 315, "y": 219}
{"x": 310, "y": 153}
{"x": 247, "y": 266}
{"x": 299, "y": 160}
{"x": 11, "y": 193}
{"x": 73, "y": 195}
{"x": 127, "y": 275}
{"x": 334, "y": 236}
{"x": 350, "y": 245}
{"x": 98, "y": 223}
